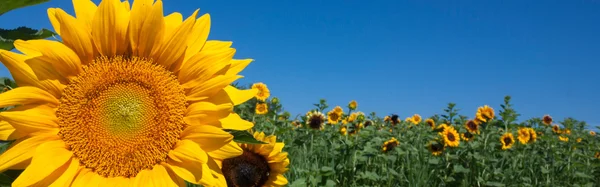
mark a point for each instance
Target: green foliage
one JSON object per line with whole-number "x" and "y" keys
{"x": 244, "y": 137}
{"x": 8, "y": 5}
{"x": 8, "y": 37}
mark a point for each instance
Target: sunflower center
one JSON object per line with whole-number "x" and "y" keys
{"x": 390, "y": 146}
{"x": 121, "y": 115}
{"x": 450, "y": 136}
{"x": 472, "y": 126}
{"x": 315, "y": 121}
{"x": 248, "y": 169}
{"x": 507, "y": 141}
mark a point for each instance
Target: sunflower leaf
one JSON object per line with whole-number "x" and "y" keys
{"x": 8, "y": 36}
{"x": 8, "y": 5}
{"x": 244, "y": 137}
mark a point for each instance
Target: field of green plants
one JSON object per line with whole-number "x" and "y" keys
{"x": 346, "y": 147}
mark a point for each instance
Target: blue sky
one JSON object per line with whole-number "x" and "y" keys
{"x": 406, "y": 57}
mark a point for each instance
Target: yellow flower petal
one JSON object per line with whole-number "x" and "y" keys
{"x": 31, "y": 118}
{"x": 52, "y": 17}
{"x": 208, "y": 137}
{"x": 207, "y": 108}
{"x": 232, "y": 149}
{"x": 188, "y": 150}
{"x": 238, "y": 65}
{"x": 74, "y": 35}
{"x": 280, "y": 180}
{"x": 110, "y": 28}
{"x": 215, "y": 169}
{"x": 216, "y": 45}
{"x": 238, "y": 96}
{"x": 85, "y": 10}
{"x": 198, "y": 36}
{"x": 27, "y": 95}
{"x": 172, "y": 21}
{"x": 68, "y": 176}
{"x": 62, "y": 58}
{"x": 196, "y": 173}
{"x": 208, "y": 88}
{"x": 8, "y": 132}
{"x": 86, "y": 177}
{"x": 24, "y": 75}
{"x": 146, "y": 27}
{"x": 22, "y": 150}
{"x": 173, "y": 50}
{"x": 203, "y": 66}
{"x": 235, "y": 122}
{"x": 48, "y": 157}
{"x": 158, "y": 177}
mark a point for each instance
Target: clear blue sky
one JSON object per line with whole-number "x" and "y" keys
{"x": 407, "y": 57}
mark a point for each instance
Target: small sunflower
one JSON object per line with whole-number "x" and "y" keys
{"x": 472, "y": 126}
{"x": 395, "y": 119}
{"x": 547, "y": 120}
{"x": 523, "y": 135}
{"x": 568, "y": 131}
{"x": 343, "y": 130}
{"x": 532, "y": 135}
{"x": 259, "y": 164}
{"x": 416, "y": 119}
{"x": 592, "y": 133}
{"x": 296, "y": 124}
{"x": 387, "y": 119}
{"x": 360, "y": 116}
{"x": 390, "y": 145}
{"x": 261, "y": 108}
{"x": 436, "y": 148}
{"x": 352, "y": 105}
{"x": 368, "y": 123}
{"x": 563, "y": 138}
{"x": 597, "y": 155}
{"x": 354, "y": 128}
{"x": 556, "y": 129}
{"x": 409, "y": 119}
{"x": 578, "y": 140}
{"x": 467, "y": 136}
{"x": 451, "y": 137}
{"x": 431, "y": 123}
{"x": 485, "y": 113}
{"x": 333, "y": 117}
{"x": 507, "y": 140}
{"x": 352, "y": 117}
{"x": 441, "y": 127}
{"x": 315, "y": 120}
{"x": 263, "y": 91}
{"x": 338, "y": 110}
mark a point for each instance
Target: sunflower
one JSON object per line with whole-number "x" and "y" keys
{"x": 333, "y": 117}
{"x": 390, "y": 145}
{"x": 315, "y": 120}
{"x": 387, "y": 119}
{"x": 507, "y": 140}
{"x": 556, "y": 129}
{"x": 532, "y": 135}
{"x": 568, "y": 131}
{"x": 128, "y": 97}
{"x": 578, "y": 140}
{"x": 592, "y": 133}
{"x": 360, "y": 116}
{"x": 523, "y": 135}
{"x": 343, "y": 130}
{"x": 431, "y": 123}
{"x": 263, "y": 91}
{"x": 261, "y": 108}
{"x": 484, "y": 113}
{"x": 451, "y": 137}
{"x": 409, "y": 119}
{"x": 368, "y": 123}
{"x": 563, "y": 138}
{"x": 441, "y": 127}
{"x": 597, "y": 155}
{"x": 395, "y": 119}
{"x": 352, "y": 105}
{"x": 467, "y": 136}
{"x": 259, "y": 165}
{"x": 436, "y": 148}
{"x": 352, "y": 117}
{"x": 472, "y": 126}
{"x": 547, "y": 119}
{"x": 416, "y": 119}
{"x": 296, "y": 124}
{"x": 338, "y": 110}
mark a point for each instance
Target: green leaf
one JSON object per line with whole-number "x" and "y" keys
{"x": 8, "y": 5}
{"x": 299, "y": 183}
{"x": 330, "y": 183}
{"x": 8, "y": 36}
{"x": 496, "y": 184}
{"x": 460, "y": 169}
{"x": 244, "y": 137}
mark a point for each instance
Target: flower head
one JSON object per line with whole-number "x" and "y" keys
{"x": 261, "y": 108}
{"x": 263, "y": 91}
{"x": 547, "y": 120}
{"x": 507, "y": 140}
{"x": 352, "y": 105}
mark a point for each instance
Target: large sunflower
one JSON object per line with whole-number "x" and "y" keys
{"x": 129, "y": 98}
{"x": 507, "y": 140}
{"x": 259, "y": 165}
{"x": 451, "y": 137}
{"x": 524, "y": 135}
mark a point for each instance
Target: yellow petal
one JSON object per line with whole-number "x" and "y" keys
{"x": 31, "y": 118}
{"x": 24, "y": 75}
{"x": 23, "y": 149}
{"x": 146, "y": 27}
{"x": 26, "y": 95}
{"x": 215, "y": 169}
{"x": 216, "y": 45}
{"x": 172, "y": 21}
{"x": 280, "y": 180}
{"x": 48, "y": 157}
{"x": 172, "y": 50}
{"x": 210, "y": 87}
{"x": 193, "y": 172}
{"x": 76, "y": 36}
{"x": 158, "y": 177}
{"x": 52, "y": 17}
{"x": 69, "y": 175}
{"x": 118, "y": 181}
{"x": 232, "y": 149}
{"x": 109, "y": 28}
{"x": 208, "y": 137}
{"x": 188, "y": 150}
{"x": 238, "y": 65}
{"x": 8, "y": 132}
{"x": 44, "y": 70}
{"x": 238, "y": 96}
{"x": 204, "y": 65}
{"x": 206, "y": 108}
{"x": 86, "y": 178}
{"x": 85, "y": 10}
{"x": 235, "y": 122}
{"x": 62, "y": 58}
{"x": 198, "y": 36}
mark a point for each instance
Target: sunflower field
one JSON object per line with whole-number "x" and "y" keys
{"x": 131, "y": 97}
